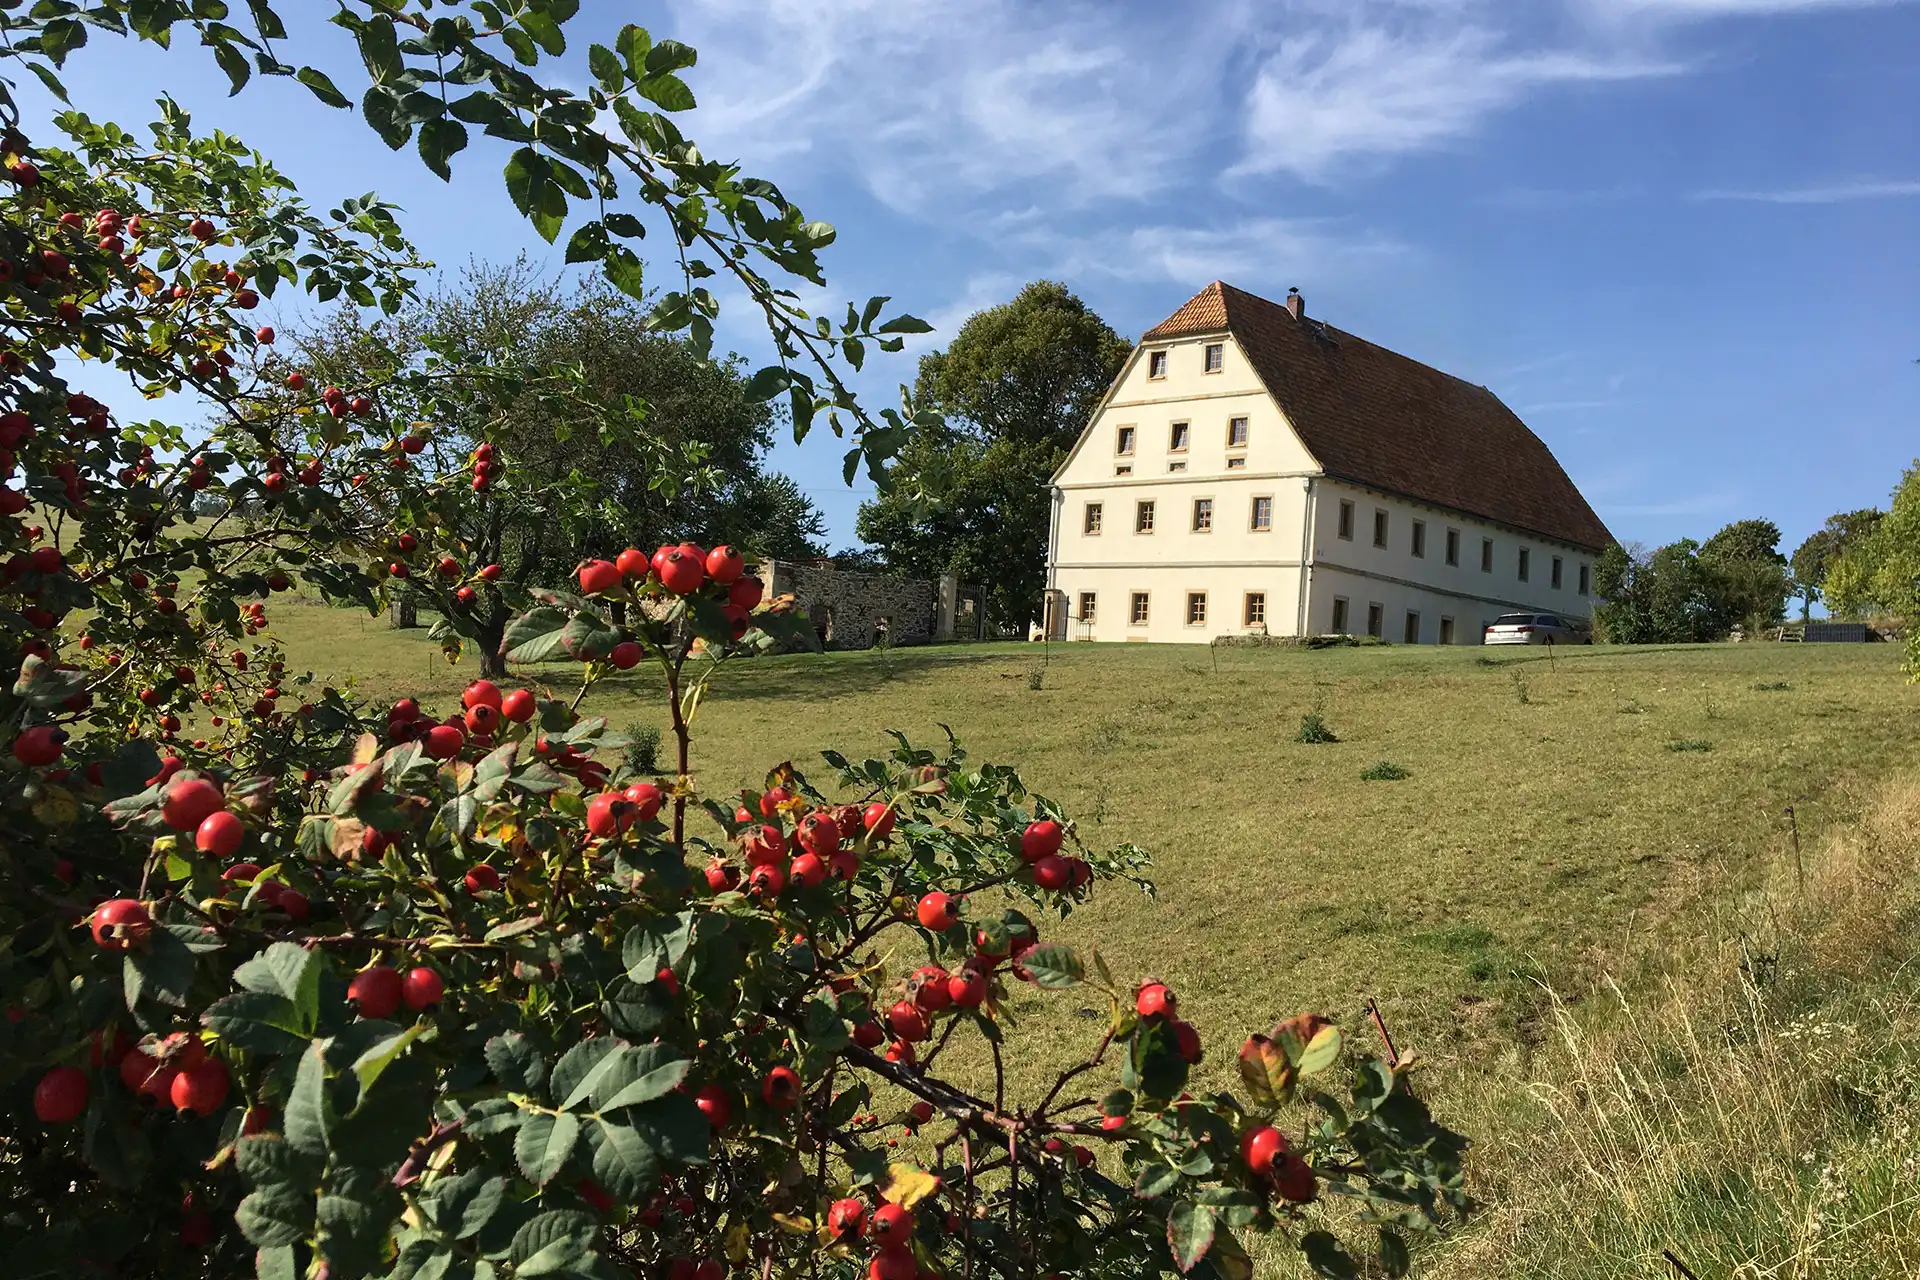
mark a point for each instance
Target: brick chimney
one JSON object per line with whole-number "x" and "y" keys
{"x": 1296, "y": 305}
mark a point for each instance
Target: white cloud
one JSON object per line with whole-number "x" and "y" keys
{"x": 1833, "y": 193}
{"x": 1324, "y": 99}
{"x": 1723, "y": 8}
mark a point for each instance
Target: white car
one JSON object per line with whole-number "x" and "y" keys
{"x": 1538, "y": 628}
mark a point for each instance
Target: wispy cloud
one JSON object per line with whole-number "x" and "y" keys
{"x": 1724, "y": 8}
{"x": 1326, "y": 98}
{"x": 1254, "y": 251}
{"x": 1833, "y": 193}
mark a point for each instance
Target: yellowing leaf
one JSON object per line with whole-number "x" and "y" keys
{"x": 347, "y": 834}
{"x": 366, "y": 749}
{"x": 56, "y": 807}
{"x": 735, "y": 1243}
{"x": 1320, "y": 1051}
{"x": 793, "y": 1224}
{"x": 908, "y": 1186}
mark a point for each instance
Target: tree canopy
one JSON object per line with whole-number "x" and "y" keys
{"x": 1017, "y": 385}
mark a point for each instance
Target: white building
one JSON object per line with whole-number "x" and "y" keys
{"x": 1253, "y": 468}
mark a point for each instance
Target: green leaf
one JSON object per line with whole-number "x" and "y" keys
{"x": 535, "y": 635}
{"x": 905, "y": 324}
{"x": 1327, "y": 1256}
{"x": 633, "y": 44}
{"x": 675, "y": 1127}
{"x": 1054, "y": 966}
{"x": 292, "y": 972}
{"x": 440, "y": 140}
{"x": 1189, "y": 1233}
{"x": 380, "y": 49}
{"x": 552, "y": 1242}
{"x": 606, "y": 68}
{"x": 669, "y": 93}
{"x": 355, "y": 1218}
{"x": 1264, "y": 1067}
{"x": 587, "y": 637}
{"x": 275, "y": 1214}
{"x": 1394, "y": 1258}
{"x": 645, "y": 1072}
{"x": 516, "y": 1062}
{"x": 266, "y": 1158}
{"x": 309, "y": 1116}
{"x": 257, "y": 1022}
{"x": 491, "y": 1117}
{"x": 767, "y": 383}
{"x": 375, "y": 1060}
{"x": 623, "y": 1162}
{"x": 526, "y": 174}
{"x": 656, "y": 944}
{"x": 1156, "y": 1180}
{"x": 669, "y": 56}
{"x": 588, "y": 243}
{"x": 164, "y": 973}
{"x": 460, "y": 1207}
{"x": 545, "y": 30}
{"x": 322, "y": 87}
{"x": 1321, "y": 1052}
{"x": 623, "y": 268}
{"x": 583, "y": 1072}
{"x": 544, "y": 1144}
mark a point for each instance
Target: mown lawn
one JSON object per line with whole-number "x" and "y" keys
{"x": 1552, "y": 806}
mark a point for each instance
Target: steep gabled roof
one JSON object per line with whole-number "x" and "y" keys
{"x": 1376, "y": 418}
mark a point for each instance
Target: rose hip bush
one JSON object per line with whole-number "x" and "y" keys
{"x": 301, "y": 988}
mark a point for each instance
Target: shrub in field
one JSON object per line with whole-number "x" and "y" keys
{"x": 315, "y": 991}
{"x": 1314, "y": 729}
{"x": 643, "y": 749}
{"x": 1385, "y": 771}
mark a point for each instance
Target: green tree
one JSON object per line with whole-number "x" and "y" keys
{"x": 1746, "y": 579}
{"x": 1017, "y": 386}
{"x": 1813, "y": 558}
{"x": 1880, "y": 572}
{"x": 680, "y": 459}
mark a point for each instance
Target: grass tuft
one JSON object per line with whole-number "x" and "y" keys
{"x": 1689, "y": 744}
{"x": 1314, "y": 729}
{"x": 1771, "y": 686}
{"x": 1385, "y": 771}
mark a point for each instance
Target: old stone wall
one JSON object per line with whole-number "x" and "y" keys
{"x": 850, "y": 609}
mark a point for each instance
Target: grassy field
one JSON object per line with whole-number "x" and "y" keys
{"x": 1562, "y": 819}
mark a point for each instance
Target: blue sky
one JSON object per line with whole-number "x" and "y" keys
{"x": 1677, "y": 236}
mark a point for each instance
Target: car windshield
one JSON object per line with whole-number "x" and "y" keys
{"x": 1514, "y": 620}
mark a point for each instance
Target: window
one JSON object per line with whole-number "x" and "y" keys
{"x": 1124, "y": 469}
{"x": 1087, "y": 601}
{"x": 1446, "y": 631}
{"x": 1420, "y": 539}
{"x": 1196, "y": 608}
{"x": 1256, "y": 610}
{"x": 1143, "y": 517}
{"x": 1139, "y": 615}
{"x": 1236, "y": 464}
{"x": 1346, "y": 520}
{"x": 1203, "y": 515}
{"x": 1177, "y": 438}
{"x": 1339, "y": 616}
{"x": 1157, "y": 364}
{"x": 1413, "y": 627}
{"x": 1486, "y": 555}
{"x": 1262, "y": 514}
{"x": 1216, "y": 356}
{"x": 1091, "y": 525}
{"x": 1177, "y": 466}
{"x": 1376, "y": 618}
{"x": 1453, "y": 546}
{"x": 1123, "y": 444}
{"x": 1553, "y": 574}
{"x": 1379, "y": 528}
{"x": 1526, "y": 562}
{"x": 1586, "y": 581}
{"x": 1236, "y": 433}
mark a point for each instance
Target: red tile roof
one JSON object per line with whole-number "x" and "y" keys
{"x": 1378, "y": 419}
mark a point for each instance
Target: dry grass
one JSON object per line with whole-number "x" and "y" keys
{"x": 1747, "y": 1105}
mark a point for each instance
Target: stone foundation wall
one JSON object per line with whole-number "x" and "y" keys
{"x": 850, "y": 609}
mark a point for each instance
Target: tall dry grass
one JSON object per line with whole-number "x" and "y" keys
{"x": 1747, "y": 1109}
